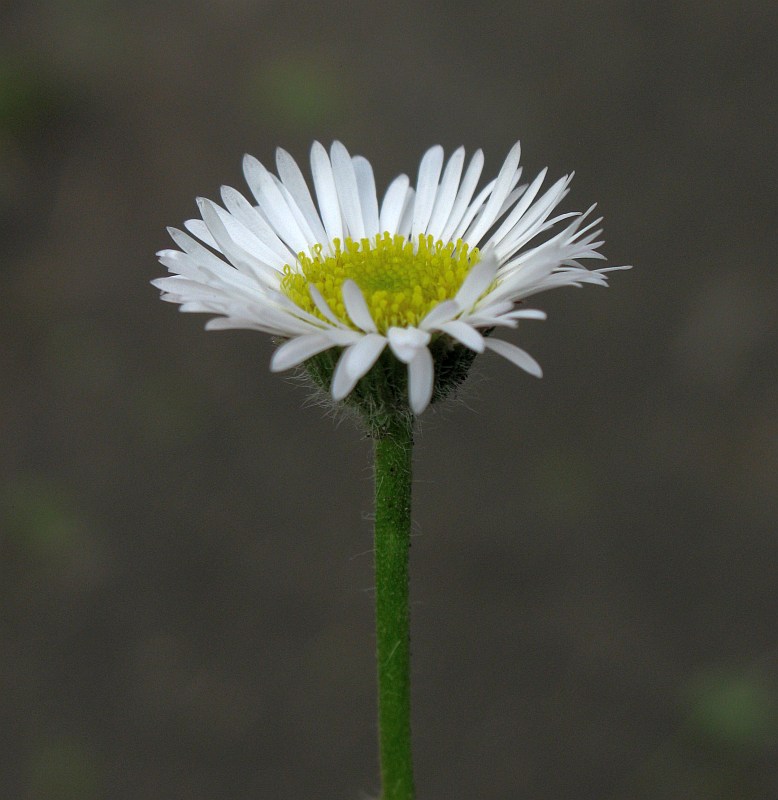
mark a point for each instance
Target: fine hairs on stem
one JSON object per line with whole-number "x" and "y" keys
{"x": 393, "y": 477}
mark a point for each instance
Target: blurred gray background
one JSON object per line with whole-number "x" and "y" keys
{"x": 185, "y": 566}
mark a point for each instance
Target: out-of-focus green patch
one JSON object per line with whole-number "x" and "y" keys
{"x": 64, "y": 770}
{"x": 29, "y": 99}
{"x": 721, "y": 748}
{"x": 733, "y": 709}
{"x": 295, "y": 92}
{"x": 41, "y": 520}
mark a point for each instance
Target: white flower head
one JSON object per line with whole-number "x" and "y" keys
{"x": 356, "y": 289}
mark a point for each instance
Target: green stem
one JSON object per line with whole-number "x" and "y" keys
{"x": 393, "y": 452}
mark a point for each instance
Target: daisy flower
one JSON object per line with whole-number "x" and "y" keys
{"x": 400, "y": 294}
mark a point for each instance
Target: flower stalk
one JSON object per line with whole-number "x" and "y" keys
{"x": 393, "y": 475}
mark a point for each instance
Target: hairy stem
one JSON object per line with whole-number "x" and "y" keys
{"x": 393, "y": 453}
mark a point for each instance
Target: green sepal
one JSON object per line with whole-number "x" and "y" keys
{"x": 381, "y": 397}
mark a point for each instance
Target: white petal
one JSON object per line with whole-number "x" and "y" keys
{"x": 501, "y": 190}
{"x": 273, "y": 204}
{"x": 447, "y": 192}
{"x": 215, "y": 276}
{"x": 515, "y": 194}
{"x": 231, "y": 323}
{"x": 199, "y": 229}
{"x": 241, "y": 235}
{"x": 476, "y": 221}
{"x": 464, "y": 195}
{"x": 306, "y": 321}
{"x": 405, "y": 342}
{"x": 393, "y": 204}
{"x": 193, "y": 248}
{"x": 464, "y": 334}
{"x": 477, "y": 281}
{"x": 294, "y": 181}
{"x": 521, "y": 358}
{"x": 348, "y": 193}
{"x": 527, "y": 313}
{"x": 299, "y": 349}
{"x": 443, "y": 312}
{"x": 426, "y": 189}
{"x": 510, "y": 199}
{"x": 196, "y": 307}
{"x": 356, "y": 307}
{"x": 487, "y": 321}
{"x": 367, "y": 195}
{"x": 249, "y": 243}
{"x": 364, "y": 353}
{"x": 472, "y": 210}
{"x": 502, "y": 313}
{"x": 525, "y": 202}
{"x": 240, "y": 257}
{"x": 253, "y": 221}
{"x": 490, "y": 309}
{"x": 326, "y": 193}
{"x": 288, "y": 318}
{"x": 535, "y": 217}
{"x": 404, "y": 226}
{"x": 299, "y": 217}
{"x": 323, "y": 305}
{"x": 421, "y": 379}
{"x": 355, "y": 362}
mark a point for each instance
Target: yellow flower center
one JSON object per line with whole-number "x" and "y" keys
{"x": 401, "y": 282}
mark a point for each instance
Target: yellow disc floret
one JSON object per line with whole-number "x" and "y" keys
{"x": 401, "y": 280}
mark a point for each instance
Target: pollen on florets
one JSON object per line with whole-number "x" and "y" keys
{"x": 401, "y": 280}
